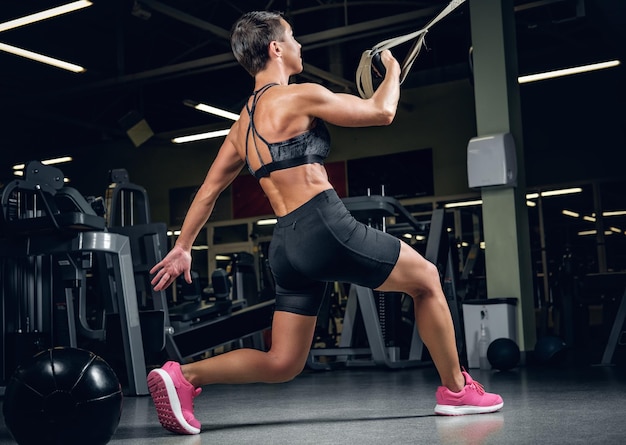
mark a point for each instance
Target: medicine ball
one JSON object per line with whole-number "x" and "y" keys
{"x": 549, "y": 349}
{"x": 63, "y": 396}
{"x": 503, "y": 354}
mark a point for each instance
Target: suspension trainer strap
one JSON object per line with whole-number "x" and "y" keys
{"x": 364, "y": 82}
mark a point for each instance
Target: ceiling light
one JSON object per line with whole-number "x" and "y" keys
{"x": 212, "y": 110}
{"x": 570, "y": 213}
{"x": 476, "y": 202}
{"x": 587, "y": 232}
{"x": 52, "y": 161}
{"x": 528, "y": 196}
{"x": 36, "y": 18}
{"x": 200, "y": 136}
{"x": 201, "y": 247}
{"x": 266, "y": 222}
{"x": 567, "y": 191}
{"x": 41, "y": 58}
{"x": 217, "y": 111}
{"x": 589, "y": 218}
{"x": 43, "y": 15}
{"x": 568, "y": 71}
{"x": 614, "y": 213}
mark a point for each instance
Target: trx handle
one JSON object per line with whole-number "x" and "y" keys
{"x": 364, "y": 81}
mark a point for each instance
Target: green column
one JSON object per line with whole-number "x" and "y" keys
{"x": 505, "y": 216}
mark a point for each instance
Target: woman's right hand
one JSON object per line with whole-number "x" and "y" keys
{"x": 389, "y": 61}
{"x": 175, "y": 263}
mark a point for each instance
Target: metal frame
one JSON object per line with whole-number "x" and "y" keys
{"x": 118, "y": 248}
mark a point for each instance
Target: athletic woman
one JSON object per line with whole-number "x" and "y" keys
{"x": 282, "y": 138}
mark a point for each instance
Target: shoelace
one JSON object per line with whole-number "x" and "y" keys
{"x": 478, "y": 387}
{"x": 364, "y": 81}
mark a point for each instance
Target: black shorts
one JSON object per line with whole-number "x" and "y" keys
{"x": 321, "y": 242}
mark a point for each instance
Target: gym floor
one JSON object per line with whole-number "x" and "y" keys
{"x": 545, "y": 405}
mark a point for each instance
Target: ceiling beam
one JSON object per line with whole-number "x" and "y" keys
{"x": 186, "y": 18}
{"x": 226, "y": 60}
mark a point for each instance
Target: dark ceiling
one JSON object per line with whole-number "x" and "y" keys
{"x": 148, "y": 56}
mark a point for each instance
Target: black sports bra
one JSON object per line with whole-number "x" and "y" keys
{"x": 310, "y": 147}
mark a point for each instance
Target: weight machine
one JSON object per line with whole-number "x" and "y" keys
{"x": 53, "y": 243}
{"x": 50, "y": 237}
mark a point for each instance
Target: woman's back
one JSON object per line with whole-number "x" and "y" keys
{"x": 283, "y": 147}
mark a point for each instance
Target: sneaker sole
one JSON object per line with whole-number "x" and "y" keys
{"x": 451, "y": 410}
{"x": 167, "y": 404}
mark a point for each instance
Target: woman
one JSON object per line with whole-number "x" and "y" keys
{"x": 315, "y": 240}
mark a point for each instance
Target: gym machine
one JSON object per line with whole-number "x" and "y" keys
{"x": 54, "y": 244}
{"x": 50, "y": 236}
{"x": 373, "y": 307}
{"x": 198, "y": 321}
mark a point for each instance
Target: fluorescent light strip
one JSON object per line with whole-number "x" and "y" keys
{"x": 217, "y": 111}
{"x": 41, "y": 58}
{"x": 200, "y": 136}
{"x": 587, "y": 232}
{"x": 451, "y": 205}
{"x": 570, "y": 213}
{"x": 614, "y": 213}
{"x": 43, "y": 15}
{"x": 568, "y": 71}
{"x": 53, "y": 161}
{"x": 528, "y": 196}
{"x": 562, "y": 192}
{"x": 568, "y": 191}
{"x": 201, "y": 247}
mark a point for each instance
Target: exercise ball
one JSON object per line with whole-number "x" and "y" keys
{"x": 63, "y": 396}
{"x": 503, "y": 354}
{"x": 549, "y": 349}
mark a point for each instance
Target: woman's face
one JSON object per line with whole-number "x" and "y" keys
{"x": 291, "y": 48}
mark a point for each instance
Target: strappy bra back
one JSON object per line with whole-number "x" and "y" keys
{"x": 310, "y": 147}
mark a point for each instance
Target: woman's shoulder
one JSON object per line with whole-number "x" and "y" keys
{"x": 305, "y": 97}
{"x": 307, "y": 88}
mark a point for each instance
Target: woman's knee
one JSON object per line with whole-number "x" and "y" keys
{"x": 285, "y": 369}
{"x": 428, "y": 281}
{"x": 432, "y": 275}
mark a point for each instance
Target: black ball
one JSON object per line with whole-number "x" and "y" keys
{"x": 63, "y": 396}
{"x": 503, "y": 354}
{"x": 549, "y": 349}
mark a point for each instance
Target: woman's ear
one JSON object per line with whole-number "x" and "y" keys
{"x": 275, "y": 48}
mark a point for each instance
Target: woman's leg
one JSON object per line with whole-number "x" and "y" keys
{"x": 292, "y": 335}
{"x": 419, "y": 278}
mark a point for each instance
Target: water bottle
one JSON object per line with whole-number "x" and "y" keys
{"x": 483, "y": 345}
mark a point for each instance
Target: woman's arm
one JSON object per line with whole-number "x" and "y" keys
{"x": 347, "y": 110}
{"x": 223, "y": 171}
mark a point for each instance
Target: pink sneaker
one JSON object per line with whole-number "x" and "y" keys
{"x": 173, "y": 398}
{"x": 472, "y": 399}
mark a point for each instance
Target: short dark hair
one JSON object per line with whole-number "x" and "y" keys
{"x": 251, "y": 35}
